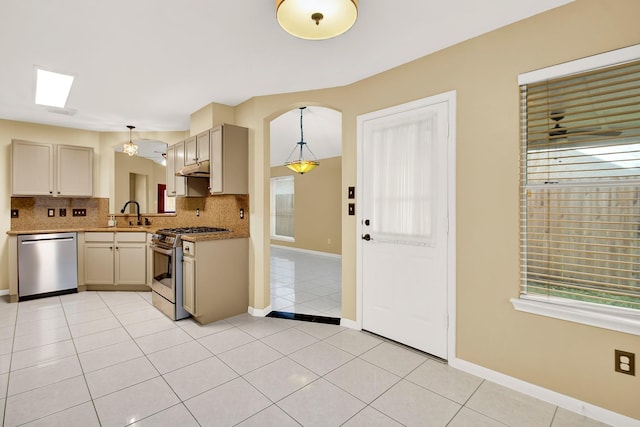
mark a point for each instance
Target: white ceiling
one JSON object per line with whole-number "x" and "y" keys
{"x": 151, "y": 63}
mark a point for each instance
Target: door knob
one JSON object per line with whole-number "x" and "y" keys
{"x": 366, "y": 237}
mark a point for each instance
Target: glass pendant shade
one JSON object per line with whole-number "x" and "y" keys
{"x": 129, "y": 147}
{"x": 305, "y": 161}
{"x": 302, "y": 166}
{"x": 316, "y": 19}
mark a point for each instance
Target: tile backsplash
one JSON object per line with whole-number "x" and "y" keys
{"x": 215, "y": 211}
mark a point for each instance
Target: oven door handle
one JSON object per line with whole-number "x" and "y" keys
{"x": 161, "y": 250}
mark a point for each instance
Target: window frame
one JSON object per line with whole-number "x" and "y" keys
{"x": 272, "y": 222}
{"x": 600, "y": 315}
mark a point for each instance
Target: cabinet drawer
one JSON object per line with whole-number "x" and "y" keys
{"x": 188, "y": 248}
{"x": 134, "y": 236}
{"x": 98, "y": 236}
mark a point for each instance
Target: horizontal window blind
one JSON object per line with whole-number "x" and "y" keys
{"x": 580, "y": 187}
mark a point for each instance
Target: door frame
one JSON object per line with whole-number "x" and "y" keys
{"x": 450, "y": 98}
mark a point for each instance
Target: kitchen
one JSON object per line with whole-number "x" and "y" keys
{"x": 482, "y": 69}
{"x": 157, "y": 256}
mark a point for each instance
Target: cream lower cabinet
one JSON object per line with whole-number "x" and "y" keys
{"x": 215, "y": 278}
{"x": 115, "y": 259}
{"x": 189, "y": 283}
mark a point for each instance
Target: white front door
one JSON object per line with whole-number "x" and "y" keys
{"x": 404, "y": 223}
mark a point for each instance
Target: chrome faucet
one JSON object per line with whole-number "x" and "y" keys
{"x": 137, "y": 205}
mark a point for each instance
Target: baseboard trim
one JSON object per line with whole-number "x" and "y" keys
{"x": 347, "y": 323}
{"x": 567, "y": 402}
{"x": 307, "y": 251}
{"x": 4, "y": 292}
{"x": 259, "y": 312}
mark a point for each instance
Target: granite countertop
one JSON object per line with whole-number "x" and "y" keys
{"x": 79, "y": 230}
{"x": 201, "y": 237}
{"x": 129, "y": 229}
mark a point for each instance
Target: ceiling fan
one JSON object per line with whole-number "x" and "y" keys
{"x": 559, "y": 131}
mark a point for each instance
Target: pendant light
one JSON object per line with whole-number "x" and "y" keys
{"x": 316, "y": 19}
{"x": 301, "y": 165}
{"x": 130, "y": 148}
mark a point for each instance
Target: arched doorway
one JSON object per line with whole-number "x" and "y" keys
{"x": 305, "y": 215}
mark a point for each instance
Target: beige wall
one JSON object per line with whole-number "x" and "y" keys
{"x": 317, "y": 207}
{"x": 569, "y": 358}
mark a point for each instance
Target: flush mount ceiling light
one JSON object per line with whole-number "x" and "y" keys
{"x": 52, "y": 89}
{"x": 129, "y": 147}
{"x": 301, "y": 165}
{"x": 316, "y": 19}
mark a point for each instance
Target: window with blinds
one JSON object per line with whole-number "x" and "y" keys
{"x": 580, "y": 187}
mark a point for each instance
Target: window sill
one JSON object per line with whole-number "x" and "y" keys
{"x": 283, "y": 238}
{"x": 616, "y": 319}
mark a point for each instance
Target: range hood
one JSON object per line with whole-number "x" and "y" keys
{"x": 199, "y": 170}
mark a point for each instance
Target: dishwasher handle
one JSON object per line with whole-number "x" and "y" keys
{"x": 54, "y": 239}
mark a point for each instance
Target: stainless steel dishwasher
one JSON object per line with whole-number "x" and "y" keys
{"x": 47, "y": 264}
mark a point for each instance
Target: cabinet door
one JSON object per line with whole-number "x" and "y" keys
{"x": 131, "y": 264}
{"x": 74, "y": 171}
{"x": 190, "y": 150}
{"x": 215, "y": 155}
{"x": 171, "y": 171}
{"x": 189, "y": 284}
{"x": 98, "y": 263}
{"x": 32, "y": 173}
{"x": 180, "y": 182}
{"x": 202, "y": 140}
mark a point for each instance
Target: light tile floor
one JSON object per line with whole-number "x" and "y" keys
{"x": 306, "y": 283}
{"x": 110, "y": 359}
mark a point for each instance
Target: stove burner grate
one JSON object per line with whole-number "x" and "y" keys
{"x": 193, "y": 230}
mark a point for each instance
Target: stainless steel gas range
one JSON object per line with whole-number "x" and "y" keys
{"x": 166, "y": 264}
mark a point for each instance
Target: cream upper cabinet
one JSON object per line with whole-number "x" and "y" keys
{"x": 180, "y": 182}
{"x": 229, "y": 155}
{"x": 171, "y": 171}
{"x": 196, "y": 148}
{"x": 180, "y": 186}
{"x": 40, "y": 169}
{"x": 74, "y": 171}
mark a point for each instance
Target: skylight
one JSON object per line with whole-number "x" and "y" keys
{"x": 52, "y": 89}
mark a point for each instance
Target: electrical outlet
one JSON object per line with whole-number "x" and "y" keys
{"x": 79, "y": 212}
{"x": 51, "y": 212}
{"x": 63, "y": 212}
{"x": 625, "y": 362}
{"x": 14, "y": 213}
{"x": 241, "y": 213}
